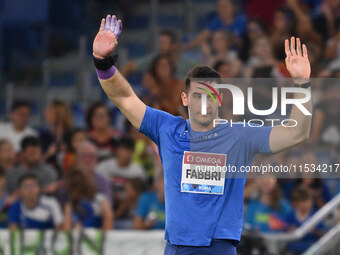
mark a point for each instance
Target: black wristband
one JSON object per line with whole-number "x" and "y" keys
{"x": 304, "y": 85}
{"x": 105, "y": 63}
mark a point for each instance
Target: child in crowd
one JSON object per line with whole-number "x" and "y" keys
{"x": 127, "y": 209}
{"x": 5, "y": 200}
{"x": 268, "y": 212}
{"x": 302, "y": 202}
{"x": 150, "y": 213}
{"x": 33, "y": 210}
{"x": 85, "y": 208}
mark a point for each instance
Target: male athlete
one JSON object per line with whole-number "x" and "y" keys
{"x": 203, "y": 216}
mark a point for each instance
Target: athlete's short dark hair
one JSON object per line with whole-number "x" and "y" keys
{"x": 200, "y": 72}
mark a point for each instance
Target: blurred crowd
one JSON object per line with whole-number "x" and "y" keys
{"x": 62, "y": 176}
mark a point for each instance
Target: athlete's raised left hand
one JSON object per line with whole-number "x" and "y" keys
{"x": 297, "y": 61}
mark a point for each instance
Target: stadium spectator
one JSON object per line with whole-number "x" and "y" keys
{"x": 302, "y": 202}
{"x": 317, "y": 188}
{"x": 77, "y": 136}
{"x": 86, "y": 207}
{"x": 262, "y": 62}
{"x": 304, "y": 25}
{"x": 332, "y": 49}
{"x": 167, "y": 45}
{"x": 326, "y": 20}
{"x": 7, "y": 155}
{"x": 86, "y": 161}
{"x": 269, "y": 211}
{"x": 219, "y": 50}
{"x": 5, "y": 200}
{"x": 326, "y": 124}
{"x": 164, "y": 87}
{"x": 18, "y": 128}
{"x": 150, "y": 213}
{"x": 284, "y": 25}
{"x": 224, "y": 68}
{"x": 256, "y": 28}
{"x": 228, "y": 19}
{"x": 33, "y": 210}
{"x": 31, "y": 162}
{"x": 120, "y": 169}
{"x": 59, "y": 119}
{"x": 100, "y": 133}
{"x": 145, "y": 152}
{"x": 125, "y": 213}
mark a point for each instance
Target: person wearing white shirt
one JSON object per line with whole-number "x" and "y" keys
{"x": 18, "y": 128}
{"x": 121, "y": 166}
{"x": 121, "y": 169}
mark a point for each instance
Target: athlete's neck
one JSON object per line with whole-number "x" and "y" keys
{"x": 196, "y": 126}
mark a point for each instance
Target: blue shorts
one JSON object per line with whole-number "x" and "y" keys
{"x": 217, "y": 247}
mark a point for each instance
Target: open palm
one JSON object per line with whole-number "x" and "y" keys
{"x": 105, "y": 41}
{"x": 297, "y": 62}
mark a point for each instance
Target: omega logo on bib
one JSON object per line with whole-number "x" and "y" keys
{"x": 203, "y": 172}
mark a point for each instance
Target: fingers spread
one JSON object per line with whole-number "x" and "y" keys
{"x": 304, "y": 49}
{"x": 298, "y": 47}
{"x": 292, "y": 45}
{"x": 119, "y": 28}
{"x": 288, "y": 53}
{"x": 107, "y": 22}
{"x": 102, "y": 23}
{"x": 113, "y": 23}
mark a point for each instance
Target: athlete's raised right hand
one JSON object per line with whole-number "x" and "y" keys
{"x": 105, "y": 41}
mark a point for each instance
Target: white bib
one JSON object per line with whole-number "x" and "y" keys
{"x": 203, "y": 172}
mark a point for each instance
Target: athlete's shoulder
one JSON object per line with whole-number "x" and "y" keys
{"x": 163, "y": 117}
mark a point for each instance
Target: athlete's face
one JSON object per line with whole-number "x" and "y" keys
{"x": 194, "y": 102}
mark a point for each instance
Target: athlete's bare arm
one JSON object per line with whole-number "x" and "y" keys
{"x": 117, "y": 88}
{"x": 282, "y": 138}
